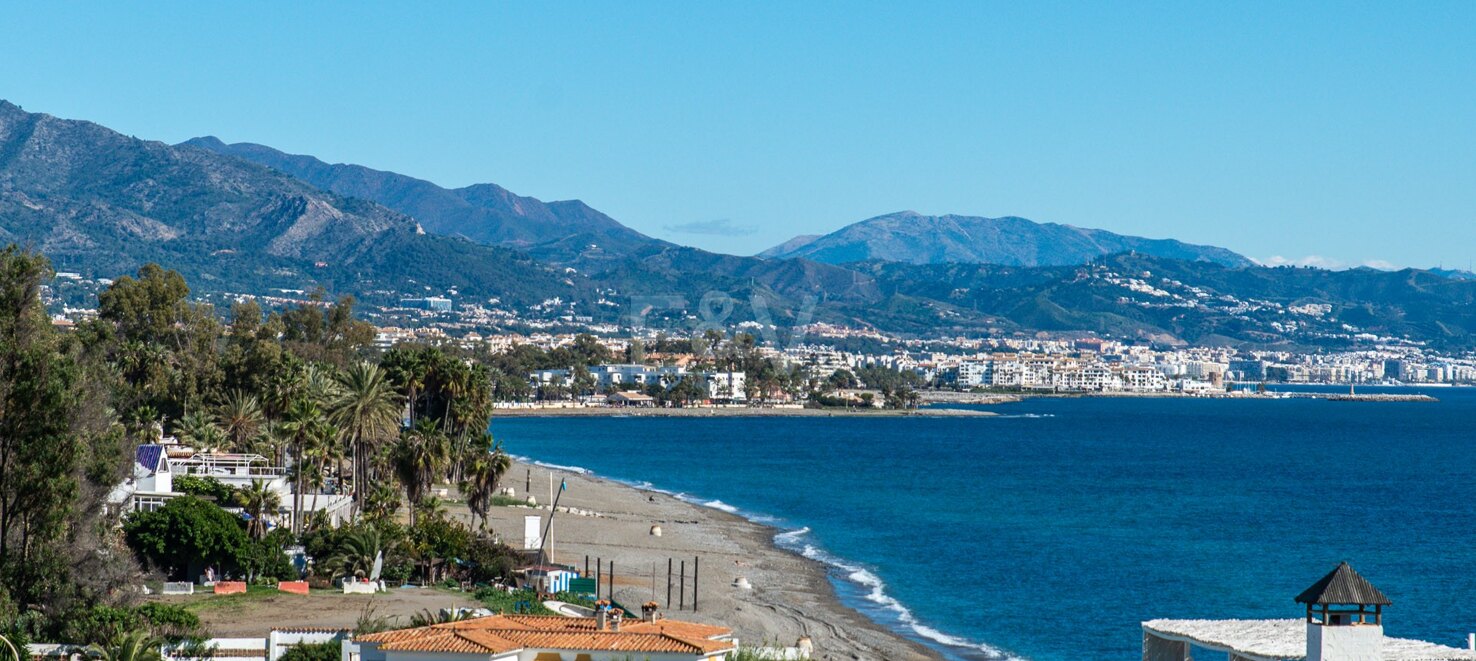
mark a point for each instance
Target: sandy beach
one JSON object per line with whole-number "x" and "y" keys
{"x": 791, "y": 595}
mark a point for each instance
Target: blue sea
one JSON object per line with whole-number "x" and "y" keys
{"x": 1052, "y": 530}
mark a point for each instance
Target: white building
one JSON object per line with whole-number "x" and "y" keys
{"x": 1344, "y": 621}
{"x": 154, "y": 472}
{"x": 975, "y": 373}
{"x": 726, "y": 386}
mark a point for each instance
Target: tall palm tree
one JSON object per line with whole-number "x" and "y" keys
{"x": 259, "y": 501}
{"x": 483, "y": 472}
{"x": 367, "y": 409}
{"x": 132, "y": 646}
{"x": 421, "y": 456}
{"x": 303, "y": 428}
{"x": 241, "y": 418}
{"x": 320, "y": 384}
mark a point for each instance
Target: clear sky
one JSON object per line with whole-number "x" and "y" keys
{"x": 1345, "y": 131}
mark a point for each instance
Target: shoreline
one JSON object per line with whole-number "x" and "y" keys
{"x": 791, "y": 595}
{"x": 731, "y": 412}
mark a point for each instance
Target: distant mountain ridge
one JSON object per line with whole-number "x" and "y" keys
{"x": 913, "y": 238}
{"x": 100, "y": 202}
{"x": 485, "y": 213}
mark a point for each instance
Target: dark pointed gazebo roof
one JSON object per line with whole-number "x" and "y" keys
{"x": 1343, "y": 586}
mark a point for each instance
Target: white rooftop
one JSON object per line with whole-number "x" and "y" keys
{"x": 1283, "y": 640}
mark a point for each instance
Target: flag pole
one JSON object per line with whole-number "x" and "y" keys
{"x": 553, "y": 509}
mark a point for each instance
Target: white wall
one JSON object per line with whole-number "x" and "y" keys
{"x": 1358, "y": 642}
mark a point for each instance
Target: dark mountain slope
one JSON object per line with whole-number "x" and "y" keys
{"x": 103, "y": 203}
{"x": 485, "y": 213}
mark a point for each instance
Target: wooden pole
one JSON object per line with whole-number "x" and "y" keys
{"x": 612, "y": 581}
{"x": 694, "y": 584}
{"x": 668, "y": 582}
{"x": 682, "y": 593}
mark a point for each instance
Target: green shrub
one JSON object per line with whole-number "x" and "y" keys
{"x": 326, "y": 651}
{"x": 195, "y": 485}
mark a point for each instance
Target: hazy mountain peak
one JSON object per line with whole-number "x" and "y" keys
{"x": 915, "y": 238}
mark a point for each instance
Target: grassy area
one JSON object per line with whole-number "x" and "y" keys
{"x": 508, "y": 501}
{"x": 225, "y": 602}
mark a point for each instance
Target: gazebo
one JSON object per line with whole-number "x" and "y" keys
{"x": 1344, "y": 622}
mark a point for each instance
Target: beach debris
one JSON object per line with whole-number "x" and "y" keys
{"x": 805, "y": 645}
{"x": 532, "y": 502}
{"x": 655, "y": 531}
{"x": 742, "y": 583}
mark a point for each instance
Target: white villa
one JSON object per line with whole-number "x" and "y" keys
{"x": 156, "y": 465}
{"x": 1344, "y": 622}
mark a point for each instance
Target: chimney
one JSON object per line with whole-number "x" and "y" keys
{"x": 615, "y": 616}
{"x": 648, "y": 611}
{"x": 602, "y": 615}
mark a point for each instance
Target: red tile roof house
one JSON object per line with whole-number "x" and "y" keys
{"x": 546, "y": 638}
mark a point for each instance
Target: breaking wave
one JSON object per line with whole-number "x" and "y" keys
{"x": 876, "y": 593}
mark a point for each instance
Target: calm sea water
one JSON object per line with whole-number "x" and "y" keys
{"x": 1052, "y": 531}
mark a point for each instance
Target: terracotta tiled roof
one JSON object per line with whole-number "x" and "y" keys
{"x": 678, "y": 628}
{"x": 498, "y": 634}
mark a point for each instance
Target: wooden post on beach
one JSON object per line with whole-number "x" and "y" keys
{"x": 668, "y": 582}
{"x": 612, "y": 581}
{"x": 599, "y": 565}
{"x": 694, "y": 583}
{"x": 586, "y": 566}
{"x": 682, "y": 593}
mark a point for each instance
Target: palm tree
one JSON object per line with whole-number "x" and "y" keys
{"x": 200, "y": 430}
{"x": 320, "y": 384}
{"x": 132, "y": 646}
{"x": 482, "y": 473}
{"x": 430, "y": 507}
{"x": 421, "y": 456}
{"x": 9, "y": 647}
{"x": 355, "y": 554}
{"x": 259, "y": 501}
{"x": 241, "y": 418}
{"x": 367, "y": 409}
{"x": 303, "y": 428}
{"x": 381, "y": 502}
{"x": 318, "y": 453}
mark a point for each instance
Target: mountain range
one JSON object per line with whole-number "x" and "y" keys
{"x": 246, "y": 218}
{"x": 103, "y": 203}
{"x": 913, "y": 238}
{"x": 485, "y": 213}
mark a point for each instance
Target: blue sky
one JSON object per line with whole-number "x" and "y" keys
{"x": 1342, "y": 131}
